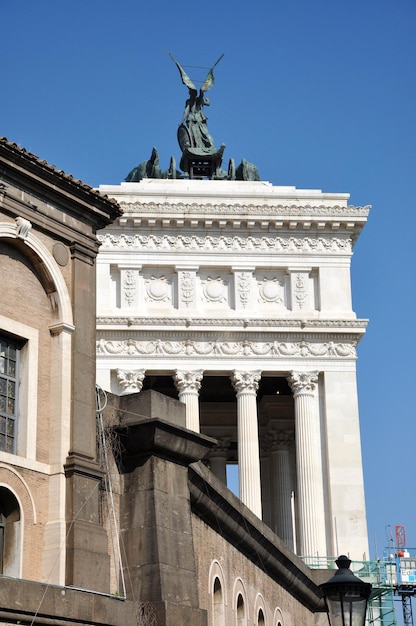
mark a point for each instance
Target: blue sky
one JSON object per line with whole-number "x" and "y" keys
{"x": 317, "y": 95}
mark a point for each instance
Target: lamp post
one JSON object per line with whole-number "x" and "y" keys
{"x": 346, "y": 596}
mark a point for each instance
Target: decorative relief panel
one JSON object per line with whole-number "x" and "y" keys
{"x": 215, "y": 349}
{"x": 272, "y": 290}
{"x": 215, "y": 288}
{"x": 186, "y": 288}
{"x": 159, "y": 288}
{"x": 304, "y": 289}
{"x": 244, "y": 280}
{"x": 129, "y": 287}
{"x": 222, "y": 243}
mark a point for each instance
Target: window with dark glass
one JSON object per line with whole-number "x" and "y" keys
{"x": 9, "y": 363}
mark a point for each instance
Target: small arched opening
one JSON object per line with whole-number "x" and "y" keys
{"x": 10, "y": 533}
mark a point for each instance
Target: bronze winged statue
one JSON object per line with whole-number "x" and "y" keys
{"x": 193, "y": 133}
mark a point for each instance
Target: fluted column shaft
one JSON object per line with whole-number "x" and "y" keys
{"x": 218, "y": 459}
{"x": 282, "y": 480}
{"x": 246, "y": 385}
{"x": 310, "y": 492}
{"x": 188, "y": 385}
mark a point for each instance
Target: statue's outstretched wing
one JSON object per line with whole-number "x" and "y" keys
{"x": 209, "y": 81}
{"x": 184, "y": 76}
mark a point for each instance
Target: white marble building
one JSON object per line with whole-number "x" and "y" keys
{"x": 235, "y": 297}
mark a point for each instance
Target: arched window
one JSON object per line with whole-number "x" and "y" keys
{"x": 241, "y": 611}
{"x": 218, "y": 604}
{"x": 10, "y": 533}
{"x": 260, "y": 618}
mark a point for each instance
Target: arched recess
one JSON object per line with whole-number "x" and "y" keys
{"x": 48, "y": 269}
{"x": 278, "y": 617}
{"x": 260, "y": 611}
{"x": 218, "y": 595}
{"x": 18, "y": 514}
{"x": 240, "y": 605}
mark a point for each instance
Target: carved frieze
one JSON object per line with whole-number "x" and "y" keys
{"x": 217, "y": 348}
{"x": 222, "y": 243}
{"x": 272, "y": 210}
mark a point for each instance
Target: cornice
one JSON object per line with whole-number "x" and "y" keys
{"x": 222, "y": 208}
{"x": 355, "y": 325}
{"x": 170, "y": 214}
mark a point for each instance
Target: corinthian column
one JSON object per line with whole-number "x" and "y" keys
{"x": 188, "y": 385}
{"x": 310, "y": 495}
{"x": 281, "y": 478}
{"x": 245, "y": 385}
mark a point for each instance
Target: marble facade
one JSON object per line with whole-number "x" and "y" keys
{"x": 235, "y": 298}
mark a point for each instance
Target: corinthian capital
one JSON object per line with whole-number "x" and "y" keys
{"x": 245, "y": 381}
{"x": 130, "y": 381}
{"x": 188, "y": 381}
{"x": 302, "y": 382}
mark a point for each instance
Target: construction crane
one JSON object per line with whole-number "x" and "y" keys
{"x": 405, "y": 583}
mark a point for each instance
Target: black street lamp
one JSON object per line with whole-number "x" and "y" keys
{"x": 346, "y": 596}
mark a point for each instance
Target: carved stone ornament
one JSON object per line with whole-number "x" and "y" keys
{"x": 22, "y": 227}
{"x": 130, "y": 381}
{"x": 214, "y": 290}
{"x": 302, "y": 382}
{"x": 221, "y": 449}
{"x": 271, "y": 291}
{"x": 272, "y": 210}
{"x": 245, "y": 382}
{"x": 215, "y": 349}
{"x": 223, "y": 243}
{"x": 188, "y": 381}
{"x": 243, "y": 287}
{"x": 129, "y": 287}
{"x": 300, "y": 291}
{"x": 280, "y": 439}
{"x": 157, "y": 289}
{"x": 186, "y": 287}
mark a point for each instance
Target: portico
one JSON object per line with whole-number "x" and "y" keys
{"x": 234, "y": 297}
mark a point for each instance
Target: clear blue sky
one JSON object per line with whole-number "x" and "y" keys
{"x": 317, "y": 94}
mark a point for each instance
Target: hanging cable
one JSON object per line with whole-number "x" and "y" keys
{"x": 109, "y": 489}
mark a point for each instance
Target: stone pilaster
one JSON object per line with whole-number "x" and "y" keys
{"x": 310, "y": 493}
{"x": 245, "y": 385}
{"x": 188, "y": 385}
